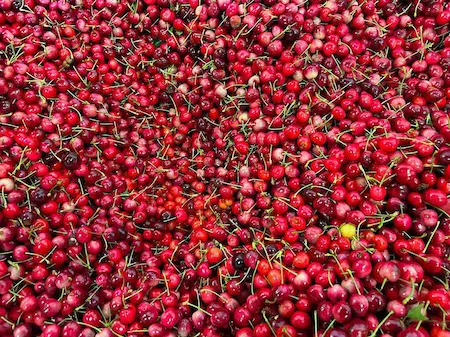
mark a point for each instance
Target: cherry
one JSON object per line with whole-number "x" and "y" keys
{"x": 359, "y": 304}
{"x": 238, "y": 261}
{"x": 220, "y": 319}
{"x": 341, "y": 312}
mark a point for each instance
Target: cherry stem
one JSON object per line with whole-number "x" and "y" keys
{"x": 374, "y": 333}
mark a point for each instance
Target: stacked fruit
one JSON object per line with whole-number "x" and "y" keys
{"x": 224, "y": 168}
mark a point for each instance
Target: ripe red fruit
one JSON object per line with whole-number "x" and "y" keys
{"x": 224, "y": 168}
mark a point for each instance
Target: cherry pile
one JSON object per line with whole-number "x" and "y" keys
{"x": 224, "y": 168}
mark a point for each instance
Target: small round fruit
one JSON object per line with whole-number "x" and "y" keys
{"x": 348, "y": 230}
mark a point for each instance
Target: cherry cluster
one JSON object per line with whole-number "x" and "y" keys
{"x": 247, "y": 168}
